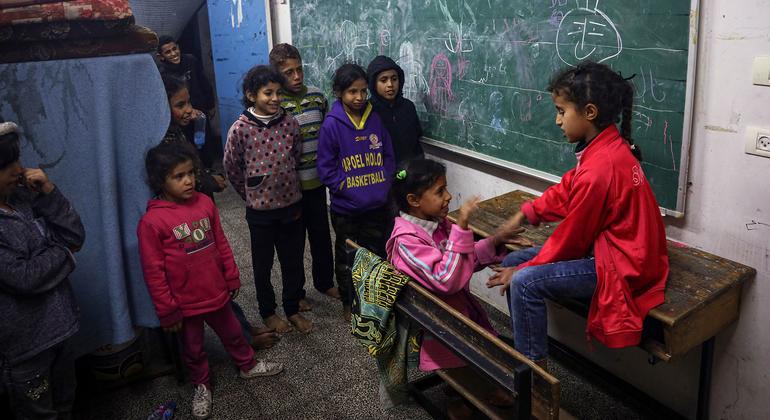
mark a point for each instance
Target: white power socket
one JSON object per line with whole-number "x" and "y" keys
{"x": 758, "y": 141}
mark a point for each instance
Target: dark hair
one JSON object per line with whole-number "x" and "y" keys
{"x": 414, "y": 177}
{"x": 596, "y": 83}
{"x": 163, "y": 158}
{"x": 283, "y": 52}
{"x": 345, "y": 75}
{"x": 9, "y": 149}
{"x": 258, "y": 77}
{"x": 163, "y": 40}
{"x": 173, "y": 84}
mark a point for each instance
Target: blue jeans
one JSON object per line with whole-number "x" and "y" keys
{"x": 575, "y": 279}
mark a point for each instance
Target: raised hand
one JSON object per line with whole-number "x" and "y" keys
{"x": 37, "y": 180}
{"x": 466, "y": 210}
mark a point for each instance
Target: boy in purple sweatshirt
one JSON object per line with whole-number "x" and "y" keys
{"x": 356, "y": 162}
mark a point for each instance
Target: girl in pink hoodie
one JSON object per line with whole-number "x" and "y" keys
{"x": 441, "y": 256}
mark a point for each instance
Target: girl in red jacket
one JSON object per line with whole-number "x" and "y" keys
{"x": 610, "y": 247}
{"x": 189, "y": 269}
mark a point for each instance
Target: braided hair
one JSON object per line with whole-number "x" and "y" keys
{"x": 598, "y": 84}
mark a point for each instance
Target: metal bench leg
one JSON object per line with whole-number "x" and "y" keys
{"x": 704, "y": 382}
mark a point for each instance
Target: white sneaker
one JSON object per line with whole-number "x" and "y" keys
{"x": 263, "y": 368}
{"x": 201, "y": 403}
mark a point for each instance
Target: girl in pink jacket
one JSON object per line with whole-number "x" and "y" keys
{"x": 440, "y": 256}
{"x": 190, "y": 270}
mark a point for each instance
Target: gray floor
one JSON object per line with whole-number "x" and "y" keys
{"x": 327, "y": 374}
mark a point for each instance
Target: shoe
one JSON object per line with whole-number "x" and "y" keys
{"x": 201, "y": 403}
{"x": 263, "y": 368}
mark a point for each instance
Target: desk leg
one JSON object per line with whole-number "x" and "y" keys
{"x": 704, "y": 382}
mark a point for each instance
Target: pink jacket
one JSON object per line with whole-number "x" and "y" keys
{"x": 186, "y": 260}
{"x": 443, "y": 263}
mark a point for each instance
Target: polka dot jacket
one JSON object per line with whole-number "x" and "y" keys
{"x": 261, "y": 161}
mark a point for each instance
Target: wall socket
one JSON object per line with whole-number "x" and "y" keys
{"x": 758, "y": 141}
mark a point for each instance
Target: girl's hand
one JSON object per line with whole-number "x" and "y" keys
{"x": 37, "y": 180}
{"x": 197, "y": 113}
{"x": 502, "y": 277}
{"x": 466, "y": 210}
{"x": 173, "y": 328}
{"x": 509, "y": 231}
{"x": 234, "y": 293}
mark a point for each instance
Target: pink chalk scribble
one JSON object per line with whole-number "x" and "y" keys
{"x": 440, "y": 83}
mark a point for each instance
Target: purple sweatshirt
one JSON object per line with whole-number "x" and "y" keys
{"x": 356, "y": 163}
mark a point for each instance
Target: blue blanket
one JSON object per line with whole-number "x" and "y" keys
{"x": 88, "y": 123}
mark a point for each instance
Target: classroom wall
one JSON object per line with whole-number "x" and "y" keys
{"x": 728, "y": 214}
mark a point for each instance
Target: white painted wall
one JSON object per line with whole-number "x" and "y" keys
{"x": 729, "y": 191}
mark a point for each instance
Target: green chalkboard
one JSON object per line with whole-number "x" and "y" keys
{"x": 477, "y": 70}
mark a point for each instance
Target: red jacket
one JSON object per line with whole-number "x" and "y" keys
{"x": 186, "y": 260}
{"x": 607, "y": 206}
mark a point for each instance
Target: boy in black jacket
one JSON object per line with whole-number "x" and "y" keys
{"x": 386, "y": 81}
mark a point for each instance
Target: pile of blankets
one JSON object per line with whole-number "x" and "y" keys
{"x": 37, "y": 30}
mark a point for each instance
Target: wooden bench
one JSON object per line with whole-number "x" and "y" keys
{"x": 702, "y": 293}
{"x": 492, "y": 360}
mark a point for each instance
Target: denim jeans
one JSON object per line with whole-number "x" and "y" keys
{"x": 43, "y": 387}
{"x": 575, "y": 279}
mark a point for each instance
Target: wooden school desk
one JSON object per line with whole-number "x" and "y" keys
{"x": 702, "y": 294}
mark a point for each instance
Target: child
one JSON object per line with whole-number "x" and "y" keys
{"x": 190, "y": 271}
{"x": 308, "y": 106}
{"x": 207, "y": 182}
{"x": 182, "y": 116}
{"x": 39, "y": 231}
{"x": 261, "y": 155}
{"x": 189, "y": 69}
{"x": 439, "y": 255}
{"x": 355, "y": 160}
{"x": 610, "y": 247}
{"x": 386, "y": 81}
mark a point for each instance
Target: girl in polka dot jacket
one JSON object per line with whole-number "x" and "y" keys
{"x": 261, "y": 156}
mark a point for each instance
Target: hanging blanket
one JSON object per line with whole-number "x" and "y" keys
{"x": 391, "y": 339}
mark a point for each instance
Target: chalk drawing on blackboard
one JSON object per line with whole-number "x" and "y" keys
{"x": 641, "y": 94}
{"x": 587, "y": 33}
{"x": 415, "y": 85}
{"x": 441, "y": 84}
{"x": 522, "y": 102}
{"x": 384, "y": 42}
{"x": 496, "y": 106}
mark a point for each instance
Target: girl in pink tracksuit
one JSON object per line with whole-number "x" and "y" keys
{"x": 440, "y": 255}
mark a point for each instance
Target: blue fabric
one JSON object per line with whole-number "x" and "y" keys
{"x": 88, "y": 123}
{"x": 529, "y": 287}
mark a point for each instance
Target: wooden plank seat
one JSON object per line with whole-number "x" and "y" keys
{"x": 491, "y": 359}
{"x": 702, "y": 293}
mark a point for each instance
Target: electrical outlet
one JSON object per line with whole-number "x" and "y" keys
{"x": 763, "y": 143}
{"x": 758, "y": 141}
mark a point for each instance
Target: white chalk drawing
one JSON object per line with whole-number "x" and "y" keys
{"x": 649, "y": 85}
{"x": 415, "y": 85}
{"x": 496, "y": 108}
{"x": 587, "y": 32}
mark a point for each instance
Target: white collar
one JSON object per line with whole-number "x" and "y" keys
{"x": 428, "y": 226}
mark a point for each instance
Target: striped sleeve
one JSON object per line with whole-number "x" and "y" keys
{"x": 442, "y": 272}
